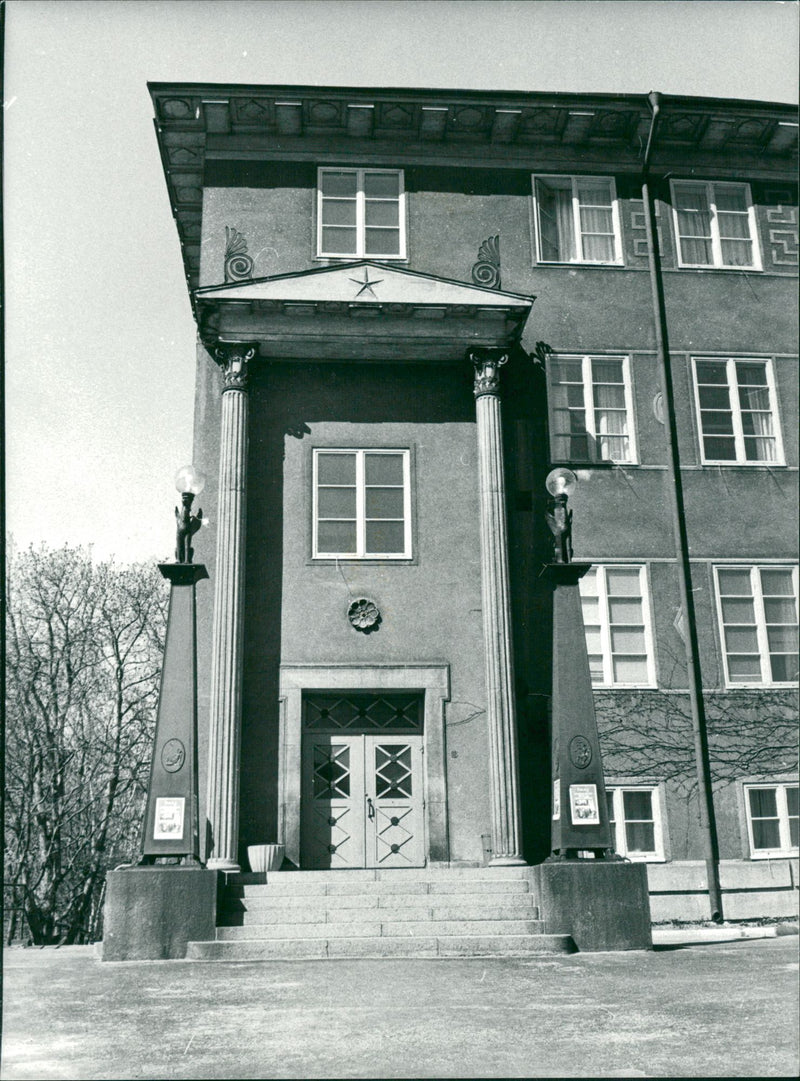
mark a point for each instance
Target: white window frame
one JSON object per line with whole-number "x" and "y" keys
{"x": 620, "y": 838}
{"x": 589, "y": 407}
{"x": 736, "y": 411}
{"x": 360, "y": 213}
{"x": 618, "y": 259}
{"x": 786, "y": 848}
{"x": 605, "y": 625}
{"x": 361, "y": 554}
{"x": 761, "y": 621}
{"x": 716, "y": 240}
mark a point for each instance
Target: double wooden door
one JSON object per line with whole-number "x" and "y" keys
{"x": 363, "y": 802}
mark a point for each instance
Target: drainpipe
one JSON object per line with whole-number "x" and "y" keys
{"x": 676, "y": 504}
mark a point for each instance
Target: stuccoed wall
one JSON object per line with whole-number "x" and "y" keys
{"x": 296, "y": 608}
{"x": 451, "y": 211}
{"x": 207, "y": 411}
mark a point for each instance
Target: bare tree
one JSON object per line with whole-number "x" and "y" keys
{"x": 647, "y": 733}
{"x": 84, "y": 649}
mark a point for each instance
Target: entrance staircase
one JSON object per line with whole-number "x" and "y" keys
{"x": 428, "y": 912}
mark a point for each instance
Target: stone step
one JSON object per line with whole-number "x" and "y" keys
{"x": 379, "y": 874}
{"x": 376, "y": 929}
{"x": 380, "y": 947}
{"x": 515, "y": 906}
{"x": 299, "y": 886}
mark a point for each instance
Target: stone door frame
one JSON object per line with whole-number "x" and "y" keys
{"x": 432, "y": 680}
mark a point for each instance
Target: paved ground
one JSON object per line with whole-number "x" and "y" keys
{"x": 701, "y": 1010}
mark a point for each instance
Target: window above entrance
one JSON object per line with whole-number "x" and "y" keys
{"x": 362, "y": 504}
{"x": 361, "y": 213}
{"x": 363, "y": 712}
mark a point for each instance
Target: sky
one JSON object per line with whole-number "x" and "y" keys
{"x": 100, "y": 341}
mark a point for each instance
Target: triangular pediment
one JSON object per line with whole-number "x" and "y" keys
{"x": 364, "y": 282}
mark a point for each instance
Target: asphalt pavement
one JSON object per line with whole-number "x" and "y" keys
{"x": 692, "y": 1008}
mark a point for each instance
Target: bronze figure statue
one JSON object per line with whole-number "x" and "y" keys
{"x": 559, "y": 521}
{"x": 187, "y": 525}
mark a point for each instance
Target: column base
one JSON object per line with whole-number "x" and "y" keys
{"x": 507, "y": 861}
{"x": 221, "y": 864}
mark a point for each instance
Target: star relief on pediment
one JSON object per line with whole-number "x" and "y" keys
{"x": 366, "y": 286}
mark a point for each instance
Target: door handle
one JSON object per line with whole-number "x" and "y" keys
{"x": 370, "y": 808}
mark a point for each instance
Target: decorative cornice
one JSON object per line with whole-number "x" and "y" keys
{"x": 238, "y": 264}
{"x": 486, "y": 271}
{"x": 487, "y": 364}
{"x": 538, "y": 132}
{"x": 233, "y": 358}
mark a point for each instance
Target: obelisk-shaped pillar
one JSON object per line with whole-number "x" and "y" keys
{"x": 506, "y": 840}
{"x": 228, "y": 622}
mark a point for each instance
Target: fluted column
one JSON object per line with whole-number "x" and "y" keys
{"x": 506, "y": 845}
{"x": 227, "y": 631}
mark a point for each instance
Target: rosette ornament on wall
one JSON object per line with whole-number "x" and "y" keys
{"x": 487, "y": 269}
{"x": 238, "y": 264}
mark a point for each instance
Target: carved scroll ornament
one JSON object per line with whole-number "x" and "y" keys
{"x": 238, "y": 264}
{"x": 486, "y": 271}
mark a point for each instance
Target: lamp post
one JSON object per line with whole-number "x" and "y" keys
{"x": 171, "y": 824}
{"x": 152, "y": 911}
{"x": 602, "y": 902}
{"x": 579, "y": 814}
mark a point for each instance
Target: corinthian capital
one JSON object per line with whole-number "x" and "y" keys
{"x": 487, "y": 364}
{"x": 233, "y": 357}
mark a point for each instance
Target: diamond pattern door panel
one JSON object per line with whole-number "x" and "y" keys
{"x": 394, "y": 771}
{"x": 333, "y": 809}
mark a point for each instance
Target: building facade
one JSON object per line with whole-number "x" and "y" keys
{"x": 411, "y": 306}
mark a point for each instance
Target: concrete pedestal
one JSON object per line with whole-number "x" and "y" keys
{"x": 603, "y": 904}
{"x": 152, "y": 912}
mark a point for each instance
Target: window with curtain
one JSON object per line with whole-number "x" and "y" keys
{"x": 715, "y": 224}
{"x": 772, "y": 819}
{"x": 591, "y": 409}
{"x": 618, "y": 626}
{"x": 635, "y": 816}
{"x": 362, "y": 504}
{"x": 758, "y": 618}
{"x": 361, "y": 213}
{"x": 736, "y": 410}
{"x": 577, "y": 220}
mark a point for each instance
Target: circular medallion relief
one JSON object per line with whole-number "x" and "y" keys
{"x": 580, "y": 752}
{"x": 364, "y": 614}
{"x": 173, "y": 755}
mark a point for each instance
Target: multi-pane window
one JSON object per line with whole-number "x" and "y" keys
{"x": 635, "y": 817}
{"x": 772, "y": 819}
{"x": 577, "y": 219}
{"x": 591, "y": 409}
{"x": 715, "y": 224}
{"x": 616, "y": 618}
{"x": 758, "y": 617}
{"x": 362, "y": 504}
{"x": 737, "y": 414}
{"x": 361, "y": 213}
